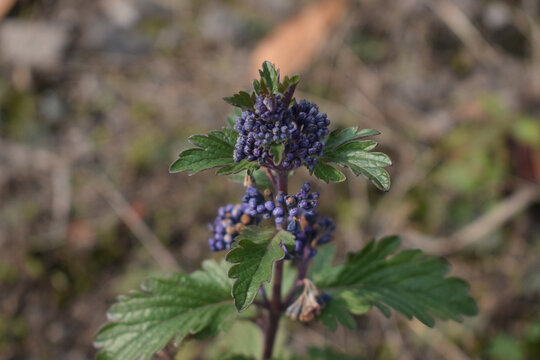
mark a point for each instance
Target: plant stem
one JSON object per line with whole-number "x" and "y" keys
{"x": 302, "y": 272}
{"x": 275, "y": 304}
{"x": 274, "y": 312}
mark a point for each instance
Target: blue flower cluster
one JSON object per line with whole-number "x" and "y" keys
{"x": 300, "y": 128}
{"x": 269, "y": 122}
{"x": 297, "y": 211}
{"x": 230, "y": 221}
{"x": 308, "y": 144}
{"x": 257, "y": 206}
{"x": 310, "y": 231}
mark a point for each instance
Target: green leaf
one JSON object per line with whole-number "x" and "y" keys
{"x": 336, "y": 311}
{"x": 355, "y": 304}
{"x": 270, "y": 76}
{"x": 328, "y": 173}
{"x": 242, "y": 100}
{"x": 277, "y": 152}
{"x": 238, "y": 167}
{"x": 321, "y": 266}
{"x": 337, "y": 137}
{"x": 257, "y": 87}
{"x": 214, "y": 150}
{"x": 345, "y": 149}
{"x": 287, "y": 83}
{"x": 257, "y": 250}
{"x": 379, "y": 177}
{"x": 144, "y": 322}
{"x": 362, "y": 162}
{"x": 287, "y": 88}
{"x": 408, "y": 281}
{"x": 349, "y": 154}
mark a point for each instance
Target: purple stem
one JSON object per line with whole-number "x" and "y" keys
{"x": 276, "y": 306}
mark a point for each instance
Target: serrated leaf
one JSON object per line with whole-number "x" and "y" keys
{"x": 238, "y": 167}
{"x": 357, "y": 145}
{"x": 215, "y": 149}
{"x": 379, "y": 177}
{"x": 409, "y": 282}
{"x": 328, "y": 173}
{"x": 337, "y": 137}
{"x": 321, "y": 266}
{"x": 287, "y": 82}
{"x": 347, "y": 154}
{"x": 144, "y": 321}
{"x": 287, "y": 88}
{"x": 336, "y": 311}
{"x": 253, "y": 257}
{"x": 270, "y": 76}
{"x": 257, "y": 87}
{"x": 355, "y": 304}
{"x": 362, "y": 163}
{"x": 343, "y": 148}
{"x": 264, "y": 88}
{"x": 242, "y": 100}
{"x": 277, "y": 152}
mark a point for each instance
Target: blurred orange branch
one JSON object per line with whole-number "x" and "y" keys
{"x": 293, "y": 44}
{"x": 5, "y": 6}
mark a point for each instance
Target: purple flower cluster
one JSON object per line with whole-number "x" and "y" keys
{"x": 300, "y": 204}
{"x": 298, "y": 211}
{"x": 310, "y": 232}
{"x": 300, "y": 128}
{"x": 304, "y": 222}
{"x": 308, "y": 144}
{"x": 230, "y": 221}
{"x": 269, "y": 123}
{"x": 257, "y": 206}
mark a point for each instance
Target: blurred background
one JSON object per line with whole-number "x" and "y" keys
{"x": 97, "y": 98}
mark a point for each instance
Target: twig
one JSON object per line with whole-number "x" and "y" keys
{"x": 61, "y": 200}
{"x": 139, "y": 228}
{"x": 271, "y": 177}
{"x": 531, "y": 7}
{"x": 482, "y": 226}
{"x": 456, "y": 20}
{"x": 499, "y": 215}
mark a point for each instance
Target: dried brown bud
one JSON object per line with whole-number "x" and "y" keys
{"x": 240, "y": 227}
{"x": 249, "y": 180}
{"x": 245, "y": 219}
{"x": 306, "y": 306}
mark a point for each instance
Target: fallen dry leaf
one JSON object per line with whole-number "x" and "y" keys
{"x": 294, "y": 43}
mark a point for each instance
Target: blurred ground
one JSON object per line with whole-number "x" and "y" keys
{"x": 98, "y": 97}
